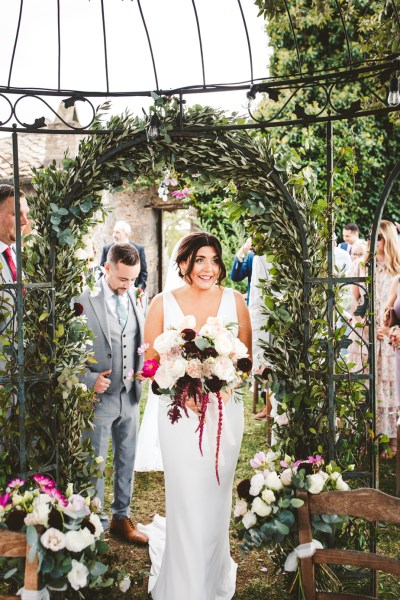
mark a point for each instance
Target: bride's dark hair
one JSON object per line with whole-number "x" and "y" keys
{"x": 189, "y": 247}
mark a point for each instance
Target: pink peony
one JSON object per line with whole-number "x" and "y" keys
{"x": 150, "y": 368}
{"x": 194, "y": 368}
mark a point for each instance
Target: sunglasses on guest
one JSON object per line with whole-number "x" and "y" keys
{"x": 379, "y": 237}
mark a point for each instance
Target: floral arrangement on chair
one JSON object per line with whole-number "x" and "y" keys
{"x": 198, "y": 365}
{"x": 65, "y": 531}
{"x": 265, "y": 511}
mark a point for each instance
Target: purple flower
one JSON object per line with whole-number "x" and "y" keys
{"x": 4, "y": 500}
{"x": 258, "y": 460}
{"x": 43, "y": 481}
{"x": 16, "y": 483}
{"x": 180, "y": 194}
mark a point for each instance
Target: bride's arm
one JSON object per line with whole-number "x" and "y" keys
{"x": 153, "y": 325}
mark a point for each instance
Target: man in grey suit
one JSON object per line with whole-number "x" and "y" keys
{"x": 116, "y": 319}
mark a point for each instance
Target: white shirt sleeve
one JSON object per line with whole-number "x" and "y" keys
{"x": 259, "y": 272}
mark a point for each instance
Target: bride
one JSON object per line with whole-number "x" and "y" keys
{"x": 189, "y": 549}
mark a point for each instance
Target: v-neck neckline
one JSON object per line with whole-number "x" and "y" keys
{"x": 214, "y": 316}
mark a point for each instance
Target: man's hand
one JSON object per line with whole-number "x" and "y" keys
{"x": 102, "y": 382}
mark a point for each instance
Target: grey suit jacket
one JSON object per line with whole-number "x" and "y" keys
{"x": 7, "y": 299}
{"x": 95, "y": 309}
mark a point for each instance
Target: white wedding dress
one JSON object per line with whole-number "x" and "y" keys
{"x": 148, "y": 452}
{"x": 189, "y": 550}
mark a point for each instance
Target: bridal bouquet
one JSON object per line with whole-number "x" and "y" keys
{"x": 64, "y": 530}
{"x": 199, "y": 366}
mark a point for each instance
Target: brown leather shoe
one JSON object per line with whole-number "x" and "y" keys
{"x": 126, "y": 529}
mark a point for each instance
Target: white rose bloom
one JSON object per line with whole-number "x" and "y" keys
{"x": 272, "y": 480}
{"x": 223, "y": 345}
{"x": 261, "y": 508}
{"x": 95, "y": 520}
{"x": 240, "y": 508}
{"x": 163, "y": 376}
{"x": 341, "y": 485}
{"x": 208, "y": 331}
{"x": 286, "y": 476}
{"x": 316, "y": 483}
{"x": 268, "y": 496}
{"x": 81, "y": 254}
{"x": 249, "y": 519}
{"x": 178, "y": 367}
{"x": 42, "y": 499}
{"x": 164, "y": 342}
{"x": 223, "y": 368}
{"x": 124, "y": 584}
{"x": 188, "y": 322}
{"x": 78, "y": 575}
{"x": 257, "y": 483}
{"x": 271, "y": 457}
{"x": 281, "y": 419}
{"x": 17, "y": 499}
{"x": 39, "y": 516}
{"x": 239, "y": 348}
{"x": 334, "y": 476}
{"x": 53, "y": 539}
{"x": 76, "y": 541}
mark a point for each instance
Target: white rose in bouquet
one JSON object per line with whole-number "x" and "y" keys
{"x": 240, "y": 508}
{"x": 239, "y": 348}
{"x": 165, "y": 341}
{"x": 341, "y": 485}
{"x": 316, "y": 483}
{"x": 249, "y": 519}
{"x": 78, "y": 575}
{"x": 95, "y": 521}
{"x": 260, "y": 507}
{"x": 188, "y": 322}
{"x": 223, "y": 344}
{"x": 53, "y": 539}
{"x": 76, "y": 541}
{"x": 164, "y": 377}
{"x": 286, "y": 476}
{"x": 223, "y": 368}
{"x": 178, "y": 367}
{"x": 272, "y": 480}
{"x": 257, "y": 483}
{"x": 268, "y": 496}
{"x": 39, "y": 516}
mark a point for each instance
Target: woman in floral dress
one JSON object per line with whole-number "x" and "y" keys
{"x": 387, "y": 268}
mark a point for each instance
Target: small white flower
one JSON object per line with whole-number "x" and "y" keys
{"x": 260, "y": 507}
{"x": 95, "y": 521}
{"x": 98, "y": 460}
{"x": 188, "y": 322}
{"x": 224, "y": 368}
{"x": 272, "y": 480}
{"x": 70, "y": 490}
{"x": 239, "y": 348}
{"x": 316, "y": 483}
{"x": 81, "y": 254}
{"x": 53, "y": 539}
{"x": 76, "y": 541}
{"x": 268, "y": 496}
{"x": 95, "y": 504}
{"x": 281, "y": 419}
{"x": 124, "y": 584}
{"x": 341, "y": 485}
{"x": 164, "y": 377}
{"x": 223, "y": 345}
{"x": 78, "y": 575}
{"x": 165, "y": 341}
{"x": 240, "y": 508}
{"x": 257, "y": 483}
{"x": 95, "y": 292}
{"x": 286, "y": 476}
{"x": 39, "y": 516}
{"x": 249, "y": 519}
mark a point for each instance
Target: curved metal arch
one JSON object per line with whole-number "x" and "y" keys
{"x": 267, "y": 169}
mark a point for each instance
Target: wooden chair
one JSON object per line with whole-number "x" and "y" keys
{"x": 365, "y": 503}
{"x": 13, "y": 545}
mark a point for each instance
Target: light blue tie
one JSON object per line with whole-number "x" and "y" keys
{"x": 121, "y": 310}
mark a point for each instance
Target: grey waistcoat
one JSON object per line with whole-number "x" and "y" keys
{"x": 122, "y": 343}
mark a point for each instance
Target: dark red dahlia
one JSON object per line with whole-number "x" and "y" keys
{"x": 15, "y": 520}
{"x": 191, "y": 348}
{"x": 155, "y": 388}
{"x": 188, "y": 334}
{"x": 267, "y": 371}
{"x": 55, "y": 519}
{"x": 244, "y": 364}
{"x": 209, "y": 352}
{"x": 214, "y": 384}
{"x": 89, "y": 525}
{"x": 78, "y": 309}
{"x": 243, "y": 490}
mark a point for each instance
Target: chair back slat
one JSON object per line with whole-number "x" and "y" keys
{"x": 339, "y": 596}
{"x": 13, "y": 545}
{"x": 366, "y": 503}
{"x": 366, "y": 560}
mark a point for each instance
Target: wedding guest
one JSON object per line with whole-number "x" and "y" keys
{"x": 117, "y": 325}
{"x": 121, "y": 234}
{"x": 359, "y": 250}
{"x": 387, "y": 268}
{"x": 243, "y": 265}
{"x": 351, "y": 234}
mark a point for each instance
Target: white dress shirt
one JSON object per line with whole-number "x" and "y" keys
{"x": 111, "y": 299}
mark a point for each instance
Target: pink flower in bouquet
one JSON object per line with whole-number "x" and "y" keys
{"x": 4, "y": 500}
{"x": 150, "y": 368}
{"x": 258, "y": 460}
{"x": 142, "y": 349}
{"x": 54, "y": 493}
{"x": 44, "y": 482}
{"x": 16, "y": 483}
{"x": 193, "y": 368}
{"x": 315, "y": 459}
